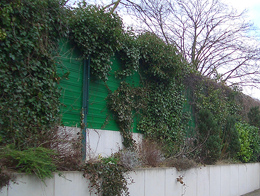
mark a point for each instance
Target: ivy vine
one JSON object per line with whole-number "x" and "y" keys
{"x": 126, "y": 102}
{"x": 107, "y": 177}
{"x": 29, "y": 100}
{"x": 158, "y": 100}
{"x": 164, "y": 119}
{"x": 97, "y": 33}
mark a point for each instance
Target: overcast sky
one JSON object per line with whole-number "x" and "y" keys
{"x": 253, "y": 7}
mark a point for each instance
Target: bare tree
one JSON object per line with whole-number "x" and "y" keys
{"x": 212, "y": 37}
{"x": 215, "y": 40}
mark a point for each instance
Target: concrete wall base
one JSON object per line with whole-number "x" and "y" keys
{"x": 218, "y": 180}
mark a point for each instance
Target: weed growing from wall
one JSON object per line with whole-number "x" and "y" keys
{"x": 107, "y": 177}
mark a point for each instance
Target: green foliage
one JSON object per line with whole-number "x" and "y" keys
{"x": 209, "y": 132}
{"x": 213, "y": 101}
{"x": 160, "y": 63}
{"x": 36, "y": 161}
{"x": 254, "y": 116}
{"x": 222, "y": 103}
{"x": 250, "y": 142}
{"x": 98, "y": 34}
{"x": 231, "y": 143}
{"x": 124, "y": 102}
{"x": 107, "y": 177}
{"x": 159, "y": 101}
{"x": 163, "y": 120}
{"x": 220, "y": 100}
{"x": 129, "y": 55}
{"x": 29, "y": 99}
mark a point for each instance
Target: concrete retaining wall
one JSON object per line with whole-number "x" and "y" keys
{"x": 99, "y": 142}
{"x": 104, "y": 142}
{"x": 220, "y": 180}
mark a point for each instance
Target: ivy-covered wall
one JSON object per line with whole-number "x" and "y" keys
{"x": 99, "y": 115}
{"x": 137, "y": 83}
{"x": 70, "y": 69}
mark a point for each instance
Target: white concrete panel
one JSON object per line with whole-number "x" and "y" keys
{"x": 137, "y": 188}
{"x": 234, "y": 180}
{"x": 215, "y": 182}
{"x": 72, "y": 132}
{"x": 225, "y": 180}
{"x": 256, "y": 171}
{"x": 203, "y": 180}
{"x": 154, "y": 182}
{"x": 31, "y": 185}
{"x": 190, "y": 180}
{"x": 172, "y": 186}
{"x": 104, "y": 142}
{"x": 3, "y": 191}
{"x": 242, "y": 172}
{"x": 252, "y": 179}
{"x": 138, "y": 137}
{"x": 72, "y": 183}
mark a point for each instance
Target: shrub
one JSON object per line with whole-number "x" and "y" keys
{"x": 231, "y": 143}
{"x": 181, "y": 163}
{"x": 150, "y": 153}
{"x": 107, "y": 177}
{"x": 36, "y": 161}
{"x": 250, "y": 142}
{"x": 254, "y": 116}
{"x": 129, "y": 158}
{"x": 209, "y": 133}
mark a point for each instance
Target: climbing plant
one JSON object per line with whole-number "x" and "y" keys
{"x": 29, "y": 101}
{"x": 126, "y": 102}
{"x": 129, "y": 55}
{"x": 158, "y": 100}
{"x": 162, "y": 70}
{"x": 98, "y": 34}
